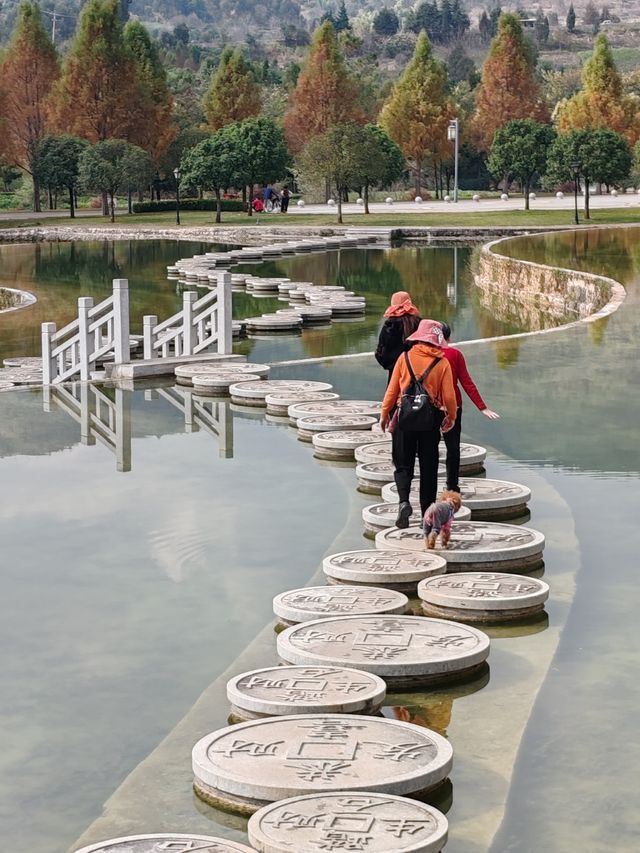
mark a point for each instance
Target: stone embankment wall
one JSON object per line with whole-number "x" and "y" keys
{"x": 539, "y": 296}
{"x": 12, "y": 300}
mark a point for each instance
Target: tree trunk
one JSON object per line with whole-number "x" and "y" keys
{"x": 327, "y": 190}
{"x": 112, "y": 208}
{"x": 340, "y": 189}
{"x": 418, "y": 176}
{"x": 105, "y": 203}
{"x": 525, "y": 188}
{"x": 587, "y": 212}
{"x": 218, "y": 207}
{"x": 250, "y": 193}
{"x": 129, "y": 201}
{"x": 36, "y": 195}
{"x": 366, "y": 198}
{"x": 140, "y": 195}
{"x": 72, "y": 206}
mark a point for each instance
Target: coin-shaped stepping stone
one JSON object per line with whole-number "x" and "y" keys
{"x": 483, "y": 596}
{"x": 372, "y": 476}
{"x": 280, "y": 690}
{"x": 472, "y": 456}
{"x": 336, "y": 407}
{"x": 313, "y": 602}
{"x": 278, "y": 403}
{"x": 407, "y": 651}
{"x": 476, "y": 546}
{"x": 273, "y": 323}
{"x": 341, "y": 444}
{"x": 217, "y": 384}
{"x": 401, "y": 570}
{"x": 171, "y": 842}
{"x": 254, "y": 393}
{"x": 307, "y": 427}
{"x": 487, "y": 499}
{"x": 251, "y": 764}
{"x": 6, "y": 386}
{"x": 185, "y": 372}
{"x": 29, "y": 361}
{"x": 378, "y": 517}
{"x": 377, "y": 823}
{"x": 21, "y": 376}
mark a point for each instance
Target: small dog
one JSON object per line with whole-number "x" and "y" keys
{"x": 438, "y": 517}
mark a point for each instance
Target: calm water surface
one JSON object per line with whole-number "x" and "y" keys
{"x": 125, "y": 593}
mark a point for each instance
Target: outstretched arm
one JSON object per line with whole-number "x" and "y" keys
{"x": 468, "y": 384}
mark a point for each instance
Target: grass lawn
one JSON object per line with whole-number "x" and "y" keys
{"x": 445, "y": 219}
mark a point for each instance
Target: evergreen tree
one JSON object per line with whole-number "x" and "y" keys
{"x": 542, "y": 28}
{"x": 386, "y": 22}
{"x": 417, "y": 112}
{"x": 58, "y": 165}
{"x": 519, "y": 151}
{"x": 461, "y": 67}
{"x": 571, "y": 19}
{"x": 592, "y": 17}
{"x": 113, "y": 166}
{"x": 234, "y": 94}
{"x": 325, "y": 93}
{"x": 484, "y": 27}
{"x": 508, "y": 88}
{"x": 342, "y": 22}
{"x": 28, "y": 72}
{"x": 214, "y": 164}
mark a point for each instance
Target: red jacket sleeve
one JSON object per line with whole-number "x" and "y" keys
{"x": 467, "y": 382}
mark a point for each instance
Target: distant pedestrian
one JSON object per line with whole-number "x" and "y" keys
{"x": 285, "y": 195}
{"x": 257, "y": 204}
{"x": 402, "y": 318}
{"x": 460, "y": 377}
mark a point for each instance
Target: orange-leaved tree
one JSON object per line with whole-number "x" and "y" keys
{"x": 508, "y": 88}
{"x": 325, "y": 93}
{"x": 602, "y": 102}
{"x": 27, "y": 73}
{"x": 418, "y": 110}
{"x": 234, "y": 93}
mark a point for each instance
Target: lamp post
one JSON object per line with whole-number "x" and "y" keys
{"x": 452, "y": 136}
{"x": 176, "y": 175}
{"x": 575, "y": 171}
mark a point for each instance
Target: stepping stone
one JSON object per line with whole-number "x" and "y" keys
{"x": 273, "y": 323}
{"x": 307, "y": 427}
{"x": 472, "y": 456}
{"x": 247, "y": 766}
{"x": 31, "y": 362}
{"x": 476, "y": 546}
{"x": 335, "y": 407}
{"x": 172, "y": 842}
{"x": 407, "y": 651}
{"x": 378, "y": 517}
{"x": 341, "y": 444}
{"x": 372, "y": 476}
{"x": 278, "y": 403}
{"x": 184, "y": 373}
{"x": 21, "y": 375}
{"x": 217, "y": 384}
{"x": 315, "y": 602}
{"x": 483, "y": 597}
{"x": 399, "y": 570}
{"x": 310, "y": 316}
{"x": 378, "y": 823}
{"x": 6, "y": 386}
{"x": 254, "y": 393}
{"x": 487, "y": 499}
{"x": 280, "y": 690}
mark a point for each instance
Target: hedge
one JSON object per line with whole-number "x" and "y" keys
{"x": 227, "y": 204}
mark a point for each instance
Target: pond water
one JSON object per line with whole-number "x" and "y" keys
{"x": 124, "y": 593}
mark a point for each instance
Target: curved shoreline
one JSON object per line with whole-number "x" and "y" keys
{"x": 26, "y": 299}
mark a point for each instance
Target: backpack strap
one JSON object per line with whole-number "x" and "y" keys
{"x": 426, "y": 373}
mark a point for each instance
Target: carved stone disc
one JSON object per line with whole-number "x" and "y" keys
{"x": 313, "y": 602}
{"x": 377, "y": 823}
{"x": 278, "y": 403}
{"x": 326, "y": 423}
{"x": 472, "y": 456}
{"x": 480, "y": 594}
{"x": 254, "y": 393}
{"x": 372, "y": 476}
{"x": 171, "y": 842}
{"x": 348, "y": 440}
{"x": 336, "y": 407}
{"x": 393, "y": 647}
{"x": 218, "y": 383}
{"x": 185, "y": 372}
{"x": 377, "y": 517}
{"x": 480, "y": 495}
{"x": 262, "y": 761}
{"x": 379, "y": 568}
{"x": 280, "y": 690}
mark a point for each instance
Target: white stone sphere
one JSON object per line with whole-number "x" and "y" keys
{"x": 532, "y": 196}
{"x": 638, "y": 190}
{"x": 447, "y": 198}
{"x": 559, "y": 194}
{"x": 301, "y": 202}
{"x": 614, "y": 192}
{"x": 476, "y": 197}
{"x": 331, "y": 202}
{"x": 388, "y": 200}
{"x": 359, "y": 201}
{"x": 504, "y": 197}
{"x": 418, "y": 199}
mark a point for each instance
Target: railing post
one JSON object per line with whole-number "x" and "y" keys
{"x": 149, "y": 322}
{"x": 121, "y": 330}
{"x": 85, "y": 304}
{"x": 49, "y": 364}
{"x": 225, "y": 318}
{"x": 188, "y": 331}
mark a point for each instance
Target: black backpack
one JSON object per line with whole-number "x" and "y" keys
{"x": 417, "y": 412}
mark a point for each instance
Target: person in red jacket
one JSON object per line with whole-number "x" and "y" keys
{"x": 460, "y": 377}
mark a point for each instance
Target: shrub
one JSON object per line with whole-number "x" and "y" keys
{"x": 167, "y": 204}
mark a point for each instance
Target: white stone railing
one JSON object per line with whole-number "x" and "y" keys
{"x": 202, "y": 324}
{"x": 73, "y": 351}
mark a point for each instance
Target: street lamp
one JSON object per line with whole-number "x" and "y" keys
{"x": 176, "y": 175}
{"x": 452, "y": 136}
{"x": 575, "y": 171}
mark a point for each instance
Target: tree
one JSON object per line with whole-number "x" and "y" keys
{"x": 334, "y": 157}
{"x": 112, "y": 166}
{"x": 263, "y": 156}
{"x": 602, "y": 102}
{"x": 377, "y": 160}
{"x": 541, "y": 28}
{"x": 234, "y": 94}
{"x": 341, "y": 21}
{"x": 508, "y": 88}
{"x": 520, "y": 150}
{"x": 386, "y": 22}
{"x": 417, "y": 112}
{"x": 28, "y": 72}
{"x": 59, "y": 165}
{"x": 600, "y": 155}
{"x": 214, "y": 164}
{"x": 461, "y": 67}
{"x": 571, "y": 19}
{"x": 592, "y": 17}
{"x": 325, "y": 93}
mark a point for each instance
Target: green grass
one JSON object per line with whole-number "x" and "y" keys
{"x": 447, "y": 218}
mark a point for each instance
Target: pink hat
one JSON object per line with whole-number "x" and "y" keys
{"x": 428, "y": 332}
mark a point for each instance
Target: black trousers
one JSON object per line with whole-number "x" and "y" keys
{"x": 284, "y": 204}
{"x": 452, "y": 442}
{"x": 404, "y": 448}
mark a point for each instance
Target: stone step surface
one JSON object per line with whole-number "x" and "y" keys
{"x": 313, "y": 602}
{"x": 388, "y": 568}
{"x": 172, "y": 842}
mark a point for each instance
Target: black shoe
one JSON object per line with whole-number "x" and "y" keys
{"x": 405, "y": 512}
